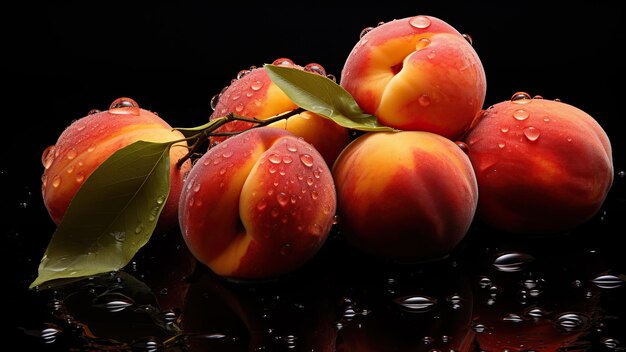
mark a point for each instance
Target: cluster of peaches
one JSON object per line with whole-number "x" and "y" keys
{"x": 260, "y": 202}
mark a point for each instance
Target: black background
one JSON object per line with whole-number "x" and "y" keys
{"x": 60, "y": 61}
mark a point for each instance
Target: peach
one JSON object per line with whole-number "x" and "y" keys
{"x": 254, "y": 95}
{"x": 542, "y": 166}
{"x": 417, "y": 73}
{"x": 92, "y": 139}
{"x": 257, "y": 205}
{"x": 408, "y": 195}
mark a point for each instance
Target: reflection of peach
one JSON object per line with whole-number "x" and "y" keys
{"x": 406, "y": 195}
{"x": 89, "y": 141}
{"x": 542, "y": 165}
{"x": 417, "y": 73}
{"x": 258, "y": 205}
{"x": 255, "y": 96}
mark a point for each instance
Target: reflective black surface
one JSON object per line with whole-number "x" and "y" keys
{"x": 495, "y": 292}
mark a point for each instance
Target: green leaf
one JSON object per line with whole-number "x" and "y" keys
{"x": 324, "y": 97}
{"x": 111, "y": 216}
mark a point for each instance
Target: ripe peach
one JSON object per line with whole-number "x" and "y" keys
{"x": 407, "y": 195}
{"x": 257, "y": 205}
{"x": 90, "y": 140}
{"x": 254, "y": 94}
{"x": 417, "y": 73}
{"x": 542, "y": 166}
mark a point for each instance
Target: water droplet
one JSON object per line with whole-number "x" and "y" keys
{"x": 484, "y": 282}
{"x": 197, "y": 187}
{"x": 139, "y": 228}
{"x": 47, "y": 157}
{"x": 535, "y": 312}
{"x": 501, "y": 145}
{"x": 621, "y": 174}
{"x": 292, "y": 148}
{"x": 56, "y": 181}
{"x": 571, "y": 321}
{"x": 91, "y": 148}
{"x": 468, "y": 38}
{"x": 512, "y": 317}
{"x": 275, "y": 212}
{"x": 215, "y": 100}
{"x": 282, "y": 199}
{"x": 422, "y": 43}
{"x": 148, "y": 345}
{"x": 242, "y": 73}
{"x": 80, "y": 177}
{"x": 256, "y": 85}
{"x": 365, "y": 31}
{"x": 309, "y": 181}
{"x": 610, "y": 343}
{"x": 417, "y": 304}
{"x": 514, "y": 261}
{"x": 427, "y": 340}
{"x": 520, "y": 98}
{"x": 420, "y": 22}
{"x": 239, "y": 108}
{"x": 431, "y": 55}
{"x": 479, "y": 328}
{"x": 608, "y": 281}
{"x": 120, "y": 236}
{"x": 93, "y": 111}
{"x": 49, "y": 335}
{"x": 520, "y": 114}
{"x": 424, "y": 100}
{"x": 118, "y": 305}
{"x": 314, "y": 194}
{"x": 124, "y": 106}
{"x": 272, "y": 169}
{"x": 160, "y": 200}
{"x": 537, "y": 97}
{"x": 464, "y": 147}
{"x": 283, "y": 61}
{"x": 71, "y": 154}
{"x": 315, "y": 68}
{"x": 262, "y": 204}
{"x": 285, "y": 249}
{"x": 287, "y": 159}
{"x": 531, "y": 133}
{"x": 275, "y": 159}
{"x": 306, "y": 159}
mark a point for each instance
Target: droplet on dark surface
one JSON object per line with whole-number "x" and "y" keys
{"x": 608, "y": 281}
{"x": 513, "y": 261}
{"x": 417, "y": 304}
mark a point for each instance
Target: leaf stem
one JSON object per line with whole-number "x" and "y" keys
{"x": 201, "y": 138}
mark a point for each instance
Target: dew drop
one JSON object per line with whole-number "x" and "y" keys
{"x": 501, "y": 145}
{"x": 427, "y": 340}
{"x": 431, "y": 55}
{"x": 610, "y": 343}
{"x": 292, "y": 148}
{"x": 49, "y": 335}
{"x": 282, "y": 199}
{"x": 283, "y": 61}
{"x": 285, "y": 249}
{"x": 511, "y": 262}
{"x": 479, "y": 328}
{"x": 80, "y": 177}
{"x": 464, "y": 147}
{"x": 124, "y": 106}
{"x": 287, "y": 159}
{"x": 468, "y": 38}
{"x": 93, "y": 111}
{"x": 71, "y": 154}
{"x": 196, "y": 188}
{"x": 571, "y": 321}
{"x": 275, "y": 159}
{"x": 272, "y": 169}
{"x": 422, "y": 43}
{"x": 261, "y": 205}
{"x": 420, "y": 22}
{"x": 512, "y": 317}
{"x": 314, "y": 195}
{"x": 424, "y": 100}
{"x": 239, "y": 108}
{"x": 608, "y": 281}
{"x": 256, "y": 85}
{"x": 520, "y": 114}
{"x": 306, "y": 159}
{"x": 56, "y": 181}
{"x": 215, "y": 100}
{"x": 520, "y": 98}
{"x": 417, "y": 304}
{"x": 484, "y": 282}
{"x": 139, "y": 228}
{"x": 160, "y": 200}
{"x": 118, "y": 305}
{"x": 365, "y": 31}
{"x": 47, "y": 157}
{"x": 537, "y": 97}
{"x": 241, "y": 74}
{"x": 535, "y": 312}
{"x": 315, "y": 68}
{"x": 531, "y": 133}
{"x": 309, "y": 181}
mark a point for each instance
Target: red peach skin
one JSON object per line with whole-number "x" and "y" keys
{"x": 258, "y": 205}
{"x": 407, "y": 195}
{"x": 89, "y": 141}
{"x": 417, "y": 73}
{"x": 542, "y": 166}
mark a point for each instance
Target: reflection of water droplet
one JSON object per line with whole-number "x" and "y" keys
{"x": 306, "y": 159}
{"x": 49, "y": 335}
{"x": 417, "y": 304}
{"x": 292, "y": 148}
{"x": 160, "y": 200}
{"x": 610, "y": 343}
{"x": 479, "y": 328}
{"x": 608, "y": 281}
{"x": 93, "y": 111}
{"x": 484, "y": 282}
{"x": 455, "y": 301}
{"x": 420, "y": 22}
{"x": 427, "y": 340}
{"x": 520, "y": 114}
{"x": 512, "y": 317}
{"x": 532, "y": 133}
{"x": 520, "y": 98}
{"x": 139, "y": 228}
{"x": 118, "y": 305}
{"x": 571, "y": 321}
{"x": 510, "y": 262}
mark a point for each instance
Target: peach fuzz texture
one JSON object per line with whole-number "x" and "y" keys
{"x": 417, "y": 73}
{"x": 407, "y": 195}
{"x": 542, "y": 166}
{"x": 258, "y": 205}
{"x": 255, "y": 96}
{"x": 91, "y": 140}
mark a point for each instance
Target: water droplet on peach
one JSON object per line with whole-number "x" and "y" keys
{"x": 93, "y": 111}
{"x": 422, "y": 43}
{"x": 71, "y": 154}
{"x": 222, "y": 171}
{"x": 468, "y": 38}
{"x": 256, "y": 85}
{"x": 309, "y": 181}
{"x": 364, "y": 31}
{"x": 532, "y": 133}
{"x": 520, "y": 98}
{"x": 47, "y": 157}
{"x": 501, "y": 145}
{"x": 275, "y": 212}
{"x": 275, "y": 159}
{"x": 431, "y": 55}
{"x": 287, "y": 159}
{"x": 196, "y": 188}
{"x": 464, "y": 147}
{"x": 272, "y": 169}
{"x": 293, "y": 199}
{"x": 537, "y": 97}
{"x": 56, "y": 181}
{"x": 283, "y": 61}
{"x": 124, "y": 106}
{"x": 314, "y": 195}
{"x": 91, "y": 148}
{"x": 306, "y": 159}
{"x": 504, "y": 129}
{"x": 70, "y": 169}
{"x": 546, "y": 119}
{"x": 424, "y": 100}
{"x": 420, "y": 22}
{"x": 282, "y": 199}
{"x": 520, "y": 114}
{"x": 239, "y": 108}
